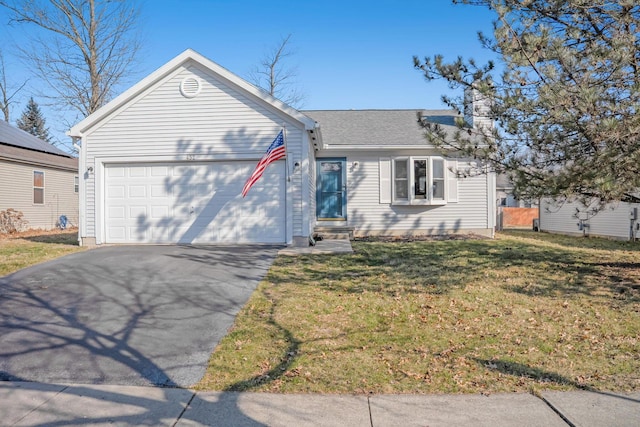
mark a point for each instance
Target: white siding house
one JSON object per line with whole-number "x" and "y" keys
{"x": 165, "y": 162}
{"x": 37, "y": 179}
{"x": 395, "y": 182}
{"x": 620, "y": 221}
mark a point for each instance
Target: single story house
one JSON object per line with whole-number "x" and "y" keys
{"x": 166, "y": 161}
{"x": 37, "y": 179}
{"x": 619, "y": 220}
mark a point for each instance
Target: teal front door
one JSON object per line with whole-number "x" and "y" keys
{"x": 331, "y": 189}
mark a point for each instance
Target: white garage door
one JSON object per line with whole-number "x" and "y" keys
{"x": 194, "y": 203}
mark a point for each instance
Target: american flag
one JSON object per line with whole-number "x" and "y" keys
{"x": 275, "y": 152}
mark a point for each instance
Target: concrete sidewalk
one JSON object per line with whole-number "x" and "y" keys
{"x": 34, "y": 404}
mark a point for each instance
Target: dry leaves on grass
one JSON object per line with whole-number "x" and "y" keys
{"x": 479, "y": 316}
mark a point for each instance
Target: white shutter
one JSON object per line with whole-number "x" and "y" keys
{"x": 452, "y": 181}
{"x": 385, "y": 180}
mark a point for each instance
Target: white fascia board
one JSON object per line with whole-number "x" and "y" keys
{"x": 188, "y": 55}
{"x": 378, "y": 147}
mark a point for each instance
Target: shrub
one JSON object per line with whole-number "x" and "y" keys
{"x": 11, "y": 221}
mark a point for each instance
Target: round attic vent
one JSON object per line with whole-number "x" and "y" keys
{"x": 190, "y": 87}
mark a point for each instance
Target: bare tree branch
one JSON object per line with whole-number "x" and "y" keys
{"x": 83, "y": 48}
{"x": 272, "y": 75}
{"x": 6, "y": 93}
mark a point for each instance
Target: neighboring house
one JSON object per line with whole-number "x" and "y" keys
{"x": 165, "y": 162}
{"x": 620, "y": 220}
{"x": 37, "y": 179}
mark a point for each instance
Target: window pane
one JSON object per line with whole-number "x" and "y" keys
{"x": 76, "y": 184}
{"x": 331, "y": 166}
{"x": 38, "y": 179}
{"x": 420, "y": 177}
{"x": 38, "y": 196}
{"x": 401, "y": 169}
{"x": 402, "y": 191}
{"x": 438, "y": 189}
{"x": 400, "y": 181}
{"x": 438, "y": 169}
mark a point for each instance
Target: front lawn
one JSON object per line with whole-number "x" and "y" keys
{"x": 524, "y": 312}
{"x": 33, "y": 247}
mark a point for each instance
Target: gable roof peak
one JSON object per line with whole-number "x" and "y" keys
{"x": 188, "y": 55}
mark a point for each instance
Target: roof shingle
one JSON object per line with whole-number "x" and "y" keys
{"x": 378, "y": 127}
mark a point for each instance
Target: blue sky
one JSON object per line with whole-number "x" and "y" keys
{"x": 349, "y": 54}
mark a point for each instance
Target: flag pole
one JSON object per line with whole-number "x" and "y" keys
{"x": 286, "y": 150}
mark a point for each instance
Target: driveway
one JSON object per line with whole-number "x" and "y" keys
{"x": 131, "y": 315}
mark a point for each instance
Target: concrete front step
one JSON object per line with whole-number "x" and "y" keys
{"x": 334, "y": 232}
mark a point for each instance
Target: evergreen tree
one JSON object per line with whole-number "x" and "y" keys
{"x": 33, "y": 122}
{"x": 566, "y": 103}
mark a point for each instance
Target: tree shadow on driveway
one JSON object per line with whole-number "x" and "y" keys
{"x": 109, "y": 319}
{"x": 147, "y": 315}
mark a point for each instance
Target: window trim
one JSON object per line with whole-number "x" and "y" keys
{"x": 412, "y": 200}
{"x": 35, "y": 187}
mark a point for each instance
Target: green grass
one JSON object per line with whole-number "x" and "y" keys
{"x": 526, "y": 311}
{"x": 23, "y": 251}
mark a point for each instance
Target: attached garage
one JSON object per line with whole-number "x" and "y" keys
{"x": 166, "y": 161}
{"x": 193, "y": 203}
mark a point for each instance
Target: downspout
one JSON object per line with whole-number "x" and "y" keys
{"x": 81, "y": 187}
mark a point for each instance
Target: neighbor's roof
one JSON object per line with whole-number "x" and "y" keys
{"x": 19, "y": 146}
{"x": 11, "y": 135}
{"x": 378, "y": 128}
{"x": 15, "y": 154}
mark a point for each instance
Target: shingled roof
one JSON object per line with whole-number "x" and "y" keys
{"x": 388, "y": 128}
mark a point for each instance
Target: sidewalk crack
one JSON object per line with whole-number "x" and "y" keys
{"x": 554, "y": 409}
{"x": 184, "y": 409}
{"x": 40, "y": 405}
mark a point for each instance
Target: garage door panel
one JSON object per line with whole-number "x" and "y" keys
{"x": 160, "y": 235}
{"x": 115, "y": 172}
{"x": 116, "y": 191}
{"x": 226, "y": 234}
{"x": 137, "y": 191}
{"x": 158, "y": 191}
{"x": 160, "y": 171}
{"x": 159, "y": 212}
{"x": 266, "y": 234}
{"x": 181, "y": 191}
{"x": 194, "y": 203}
{"x": 116, "y": 212}
{"x": 138, "y": 211}
{"x": 117, "y": 232}
{"x": 135, "y": 172}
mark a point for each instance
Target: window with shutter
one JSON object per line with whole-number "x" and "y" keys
{"x": 418, "y": 180}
